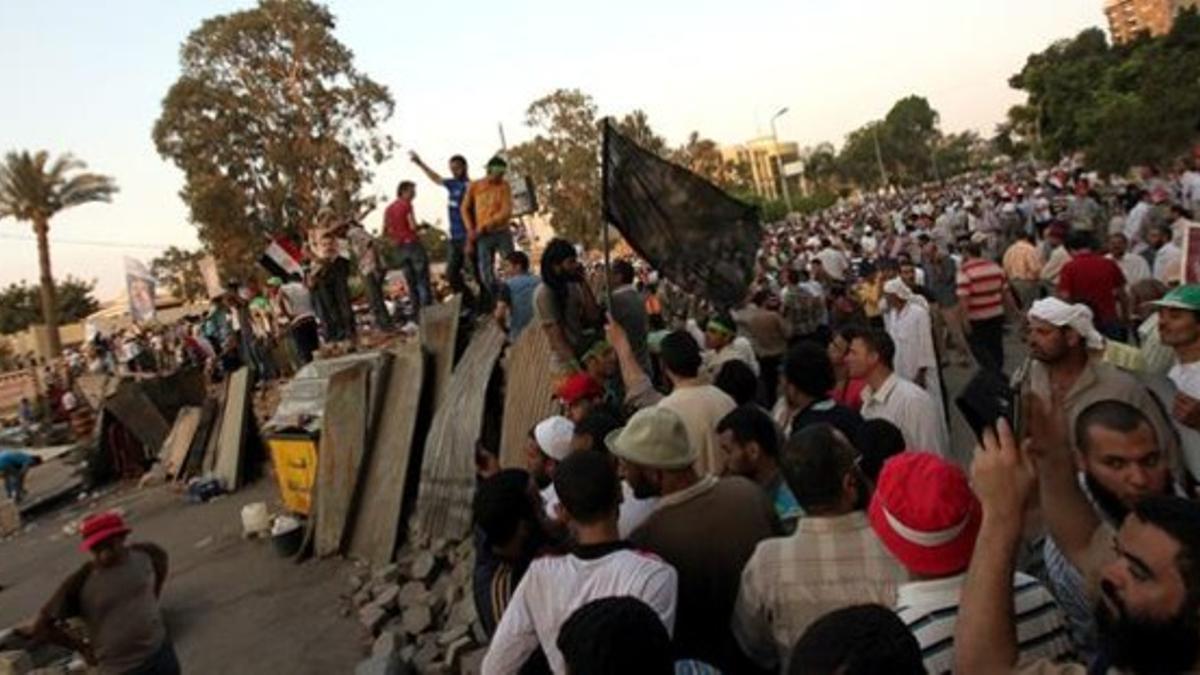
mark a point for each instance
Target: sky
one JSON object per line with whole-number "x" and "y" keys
{"x": 89, "y": 79}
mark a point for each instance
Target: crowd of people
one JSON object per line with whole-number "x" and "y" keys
{"x": 773, "y": 487}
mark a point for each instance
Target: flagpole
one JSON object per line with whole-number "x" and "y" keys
{"x": 604, "y": 214}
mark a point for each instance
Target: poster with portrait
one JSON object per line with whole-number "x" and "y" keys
{"x": 140, "y": 286}
{"x": 212, "y": 278}
{"x": 1191, "y": 254}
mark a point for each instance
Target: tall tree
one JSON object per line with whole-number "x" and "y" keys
{"x": 34, "y": 189}
{"x": 20, "y": 304}
{"x": 563, "y": 159}
{"x": 636, "y": 125}
{"x": 270, "y": 123}
{"x": 180, "y": 271}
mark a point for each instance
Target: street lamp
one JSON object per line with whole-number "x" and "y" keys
{"x": 787, "y": 195}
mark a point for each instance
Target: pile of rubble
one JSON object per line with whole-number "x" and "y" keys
{"x": 419, "y": 611}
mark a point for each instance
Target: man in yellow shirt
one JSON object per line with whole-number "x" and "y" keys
{"x": 1023, "y": 265}
{"x": 486, "y": 212}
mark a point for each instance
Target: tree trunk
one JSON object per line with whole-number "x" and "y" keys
{"x": 41, "y": 228}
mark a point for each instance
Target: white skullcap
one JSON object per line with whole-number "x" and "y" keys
{"x": 1066, "y": 315}
{"x": 553, "y": 436}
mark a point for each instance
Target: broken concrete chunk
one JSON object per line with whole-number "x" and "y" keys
{"x": 372, "y": 617}
{"x": 471, "y": 663}
{"x": 416, "y": 619}
{"x": 386, "y": 599}
{"x": 389, "y": 642}
{"x": 454, "y": 634}
{"x": 422, "y": 565}
{"x": 413, "y": 593}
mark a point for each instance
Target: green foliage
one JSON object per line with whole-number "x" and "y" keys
{"x": 179, "y": 270}
{"x": 1121, "y": 106}
{"x": 773, "y": 210}
{"x": 563, "y": 159}
{"x": 270, "y": 123}
{"x": 20, "y": 304}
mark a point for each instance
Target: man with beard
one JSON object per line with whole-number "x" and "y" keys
{"x": 1062, "y": 340}
{"x": 563, "y": 305}
{"x": 1179, "y": 329}
{"x": 1148, "y": 580}
{"x": 704, "y": 526}
{"x": 1121, "y": 462}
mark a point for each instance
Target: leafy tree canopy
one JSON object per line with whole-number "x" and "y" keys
{"x": 20, "y": 303}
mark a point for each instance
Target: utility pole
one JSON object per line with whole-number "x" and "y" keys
{"x": 787, "y": 195}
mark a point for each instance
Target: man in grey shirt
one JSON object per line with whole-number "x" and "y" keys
{"x": 116, "y": 595}
{"x": 629, "y": 310}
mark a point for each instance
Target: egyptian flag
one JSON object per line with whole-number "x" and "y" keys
{"x": 695, "y": 235}
{"x": 282, "y": 258}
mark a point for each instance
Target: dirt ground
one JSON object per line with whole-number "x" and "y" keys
{"x": 232, "y": 605}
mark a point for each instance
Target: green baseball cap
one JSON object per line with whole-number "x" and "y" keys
{"x": 1183, "y": 297}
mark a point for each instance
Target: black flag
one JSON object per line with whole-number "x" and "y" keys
{"x": 695, "y": 235}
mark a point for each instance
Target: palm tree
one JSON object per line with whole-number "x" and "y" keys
{"x": 32, "y": 191}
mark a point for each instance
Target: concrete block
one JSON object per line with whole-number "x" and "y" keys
{"x": 372, "y": 617}
{"x": 390, "y": 641}
{"x": 422, "y": 565}
{"x": 416, "y": 619}
{"x": 387, "y": 574}
{"x": 387, "y": 598}
{"x": 413, "y": 593}
{"x": 471, "y": 663}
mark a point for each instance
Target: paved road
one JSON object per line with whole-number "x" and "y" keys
{"x": 232, "y": 605}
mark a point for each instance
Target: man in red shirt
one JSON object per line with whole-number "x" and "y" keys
{"x": 1096, "y": 281}
{"x": 400, "y": 226}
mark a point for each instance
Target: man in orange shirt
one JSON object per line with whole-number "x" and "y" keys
{"x": 1022, "y": 264}
{"x": 486, "y": 211}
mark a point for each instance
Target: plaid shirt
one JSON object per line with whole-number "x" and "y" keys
{"x": 804, "y": 309}
{"x": 790, "y": 582}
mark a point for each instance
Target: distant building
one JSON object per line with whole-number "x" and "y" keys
{"x": 763, "y": 156}
{"x": 1129, "y": 18}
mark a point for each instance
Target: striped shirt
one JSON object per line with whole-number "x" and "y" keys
{"x": 790, "y": 582}
{"x": 930, "y": 610}
{"x": 981, "y": 286}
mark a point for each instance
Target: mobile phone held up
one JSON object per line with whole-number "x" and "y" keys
{"x": 986, "y": 399}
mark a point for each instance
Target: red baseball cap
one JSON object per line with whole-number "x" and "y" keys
{"x": 578, "y": 387}
{"x": 101, "y": 527}
{"x": 924, "y": 512}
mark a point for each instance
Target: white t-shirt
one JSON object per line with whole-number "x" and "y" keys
{"x": 556, "y": 586}
{"x": 298, "y": 300}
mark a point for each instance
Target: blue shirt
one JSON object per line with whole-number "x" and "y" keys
{"x": 12, "y": 460}
{"x": 457, "y": 190}
{"x": 520, "y": 292}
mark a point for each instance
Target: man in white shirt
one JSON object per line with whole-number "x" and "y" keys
{"x": 700, "y": 405}
{"x": 1136, "y": 219}
{"x": 834, "y": 261}
{"x": 890, "y": 397}
{"x": 599, "y": 566}
{"x": 908, "y": 323}
{"x": 1189, "y": 183}
{"x": 1168, "y": 258}
{"x": 1133, "y": 266}
{"x": 724, "y": 345}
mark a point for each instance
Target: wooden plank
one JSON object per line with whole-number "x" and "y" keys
{"x": 439, "y": 336}
{"x": 193, "y": 463}
{"x": 448, "y": 466}
{"x": 528, "y": 393}
{"x": 175, "y": 448}
{"x": 339, "y": 458}
{"x": 231, "y": 435}
{"x": 137, "y": 413}
{"x": 385, "y": 471}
